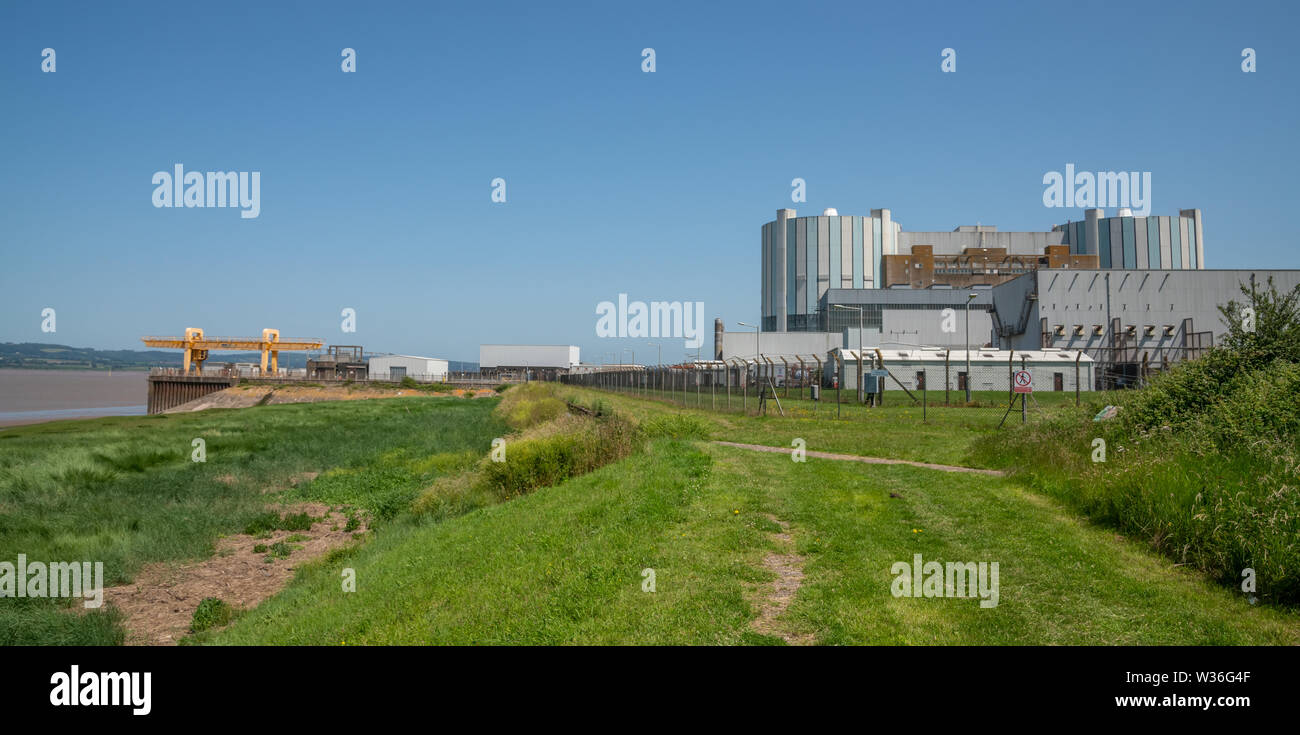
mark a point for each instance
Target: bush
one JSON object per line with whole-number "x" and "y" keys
{"x": 212, "y": 612}
{"x": 546, "y": 456}
{"x": 574, "y": 447}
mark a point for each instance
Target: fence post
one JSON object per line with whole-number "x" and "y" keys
{"x": 947, "y": 380}
{"x": 1011, "y": 374}
{"x": 744, "y": 383}
{"x": 839, "y": 381}
{"x": 726, "y": 375}
{"x": 1077, "y": 356}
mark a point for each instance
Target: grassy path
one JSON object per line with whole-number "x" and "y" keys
{"x": 567, "y": 565}
{"x": 865, "y": 460}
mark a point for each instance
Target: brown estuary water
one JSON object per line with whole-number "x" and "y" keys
{"x": 35, "y": 396}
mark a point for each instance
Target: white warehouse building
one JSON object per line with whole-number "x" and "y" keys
{"x": 556, "y": 357}
{"x": 1052, "y": 370}
{"x": 396, "y": 367}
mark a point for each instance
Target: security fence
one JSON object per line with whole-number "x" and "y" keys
{"x": 751, "y": 385}
{"x": 844, "y": 379}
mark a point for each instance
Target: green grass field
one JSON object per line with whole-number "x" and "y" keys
{"x": 125, "y": 491}
{"x": 899, "y": 429}
{"x": 564, "y": 564}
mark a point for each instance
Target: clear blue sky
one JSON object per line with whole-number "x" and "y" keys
{"x": 375, "y": 190}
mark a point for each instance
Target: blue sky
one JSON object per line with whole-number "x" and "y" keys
{"x": 375, "y": 186}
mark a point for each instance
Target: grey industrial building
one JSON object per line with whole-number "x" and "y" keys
{"x": 1124, "y": 318}
{"x": 804, "y": 258}
{"x": 1145, "y": 301}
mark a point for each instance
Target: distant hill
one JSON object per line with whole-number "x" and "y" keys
{"x": 40, "y": 355}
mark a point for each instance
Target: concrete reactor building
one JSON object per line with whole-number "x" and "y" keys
{"x": 1131, "y": 293}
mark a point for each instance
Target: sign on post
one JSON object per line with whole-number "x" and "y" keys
{"x": 877, "y": 382}
{"x": 1023, "y": 382}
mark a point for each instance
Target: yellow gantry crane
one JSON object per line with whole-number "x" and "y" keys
{"x": 196, "y": 346}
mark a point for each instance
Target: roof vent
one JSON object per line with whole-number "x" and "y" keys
{"x": 830, "y": 212}
{"x": 1124, "y": 212}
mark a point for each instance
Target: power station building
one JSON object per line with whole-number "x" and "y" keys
{"x": 1126, "y": 319}
{"x": 806, "y": 258}
{"x": 1131, "y": 293}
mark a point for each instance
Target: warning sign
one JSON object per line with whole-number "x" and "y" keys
{"x": 1023, "y": 382}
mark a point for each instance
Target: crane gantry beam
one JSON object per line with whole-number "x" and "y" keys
{"x": 196, "y": 346}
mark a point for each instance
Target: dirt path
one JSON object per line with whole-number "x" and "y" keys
{"x": 159, "y": 605}
{"x": 788, "y": 568}
{"x": 865, "y": 460}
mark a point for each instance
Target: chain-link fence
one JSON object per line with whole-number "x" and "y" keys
{"x": 842, "y": 383}
{"x": 751, "y": 385}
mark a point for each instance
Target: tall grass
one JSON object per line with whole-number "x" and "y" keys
{"x": 552, "y": 446}
{"x": 1207, "y": 474}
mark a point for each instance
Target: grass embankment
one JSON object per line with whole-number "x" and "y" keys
{"x": 531, "y": 550}
{"x": 565, "y": 564}
{"x": 125, "y": 491}
{"x": 550, "y": 445}
{"x": 1215, "y": 484}
{"x": 1204, "y": 463}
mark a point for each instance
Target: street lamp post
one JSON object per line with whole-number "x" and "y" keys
{"x": 969, "y": 298}
{"x": 861, "y": 395}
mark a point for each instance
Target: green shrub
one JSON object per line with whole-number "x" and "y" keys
{"x": 212, "y": 612}
{"x": 546, "y": 456}
{"x": 576, "y": 446}
{"x": 296, "y": 522}
{"x": 262, "y": 523}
